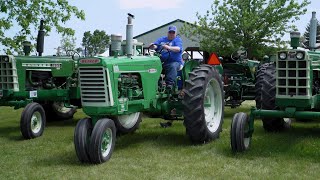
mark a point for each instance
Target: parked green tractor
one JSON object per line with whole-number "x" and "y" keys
{"x": 45, "y": 86}
{"x": 289, "y": 88}
{"x": 116, "y": 90}
{"x": 239, "y": 74}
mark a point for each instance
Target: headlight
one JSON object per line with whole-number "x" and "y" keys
{"x": 283, "y": 56}
{"x": 6, "y": 59}
{"x": 300, "y": 55}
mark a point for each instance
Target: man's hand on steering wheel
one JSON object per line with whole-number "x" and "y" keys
{"x": 167, "y": 47}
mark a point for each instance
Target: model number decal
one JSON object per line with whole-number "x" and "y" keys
{"x": 48, "y": 65}
{"x": 89, "y": 61}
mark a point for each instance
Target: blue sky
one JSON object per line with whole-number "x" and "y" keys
{"x": 111, "y": 16}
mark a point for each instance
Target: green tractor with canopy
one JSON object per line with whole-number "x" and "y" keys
{"x": 115, "y": 91}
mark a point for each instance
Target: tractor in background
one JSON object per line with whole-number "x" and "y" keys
{"x": 289, "y": 88}
{"x": 115, "y": 91}
{"x": 239, "y": 75}
{"x": 45, "y": 86}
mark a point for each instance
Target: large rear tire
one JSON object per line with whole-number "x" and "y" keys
{"x": 58, "y": 111}
{"x": 203, "y": 104}
{"x": 268, "y": 99}
{"x": 127, "y": 123}
{"x": 258, "y": 84}
{"x": 33, "y": 121}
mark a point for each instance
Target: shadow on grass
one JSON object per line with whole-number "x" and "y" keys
{"x": 65, "y": 158}
{"x": 160, "y": 137}
{"x": 295, "y": 143}
{"x": 11, "y": 133}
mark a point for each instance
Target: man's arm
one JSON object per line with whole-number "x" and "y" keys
{"x": 177, "y": 46}
{"x": 153, "y": 45}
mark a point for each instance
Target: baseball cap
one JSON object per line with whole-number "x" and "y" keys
{"x": 172, "y": 28}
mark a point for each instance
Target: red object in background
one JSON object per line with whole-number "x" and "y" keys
{"x": 214, "y": 60}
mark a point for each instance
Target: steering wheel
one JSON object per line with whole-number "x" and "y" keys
{"x": 160, "y": 51}
{"x": 237, "y": 54}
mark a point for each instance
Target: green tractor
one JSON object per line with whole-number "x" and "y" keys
{"x": 289, "y": 88}
{"x": 115, "y": 91}
{"x": 239, "y": 75}
{"x": 45, "y": 86}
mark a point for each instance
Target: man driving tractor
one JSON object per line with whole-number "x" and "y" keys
{"x": 170, "y": 47}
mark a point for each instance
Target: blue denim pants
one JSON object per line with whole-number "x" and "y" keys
{"x": 171, "y": 72}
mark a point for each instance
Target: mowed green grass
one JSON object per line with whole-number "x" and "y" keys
{"x": 153, "y": 152}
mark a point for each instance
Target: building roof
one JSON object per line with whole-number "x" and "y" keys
{"x": 177, "y": 20}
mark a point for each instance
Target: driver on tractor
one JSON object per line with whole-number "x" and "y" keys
{"x": 170, "y": 48}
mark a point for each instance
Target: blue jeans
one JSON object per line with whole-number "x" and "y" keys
{"x": 171, "y": 72}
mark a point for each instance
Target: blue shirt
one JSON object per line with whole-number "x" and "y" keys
{"x": 167, "y": 57}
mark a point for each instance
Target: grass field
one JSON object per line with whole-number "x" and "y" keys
{"x": 157, "y": 153}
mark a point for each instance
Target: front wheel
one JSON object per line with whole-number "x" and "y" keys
{"x": 33, "y": 121}
{"x": 102, "y": 141}
{"x": 82, "y": 135}
{"x": 203, "y": 104}
{"x": 239, "y": 133}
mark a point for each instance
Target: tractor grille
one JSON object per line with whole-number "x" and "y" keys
{"x": 94, "y": 87}
{"x": 8, "y": 74}
{"x": 293, "y": 77}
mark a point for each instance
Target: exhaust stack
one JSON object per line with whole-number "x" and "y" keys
{"x": 313, "y": 31}
{"x": 129, "y": 36}
{"x": 40, "y": 39}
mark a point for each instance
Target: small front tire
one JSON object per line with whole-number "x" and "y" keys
{"x": 239, "y": 133}
{"x": 33, "y": 121}
{"x": 102, "y": 141}
{"x": 82, "y": 135}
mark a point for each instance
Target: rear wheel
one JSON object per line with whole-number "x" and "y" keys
{"x": 33, "y": 120}
{"x": 82, "y": 135}
{"x": 127, "y": 123}
{"x": 240, "y": 137}
{"x": 258, "y": 84}
{"x": 102, "y": 141}
{"x": 203, "y": 104}
{"x": 268, "y": 100}
{"x": 58, "y": 111}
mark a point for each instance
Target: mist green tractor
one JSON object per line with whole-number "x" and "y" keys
{"x": 46, "y": 86}
{"x": 289, "y": 88}
{"x": 115, "y": 91}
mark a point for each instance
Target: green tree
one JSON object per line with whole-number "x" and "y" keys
{"x": 252, "y": 24}
{"x": 95, "y": 43}
{"x": 67, "y": 45}
{"x": 305, "y": 44}
{"x": 23, "y": 17}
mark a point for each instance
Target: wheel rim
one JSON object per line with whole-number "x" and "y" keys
{"x": 36, "y": 122}
{"x": 60, "y": 107}
{"x": 106, "y": 142}
{"x": 212, "y": 105}
{"x": 128, "y": 121}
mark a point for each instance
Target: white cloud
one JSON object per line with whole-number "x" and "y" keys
{"x": 157, "y": 5}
